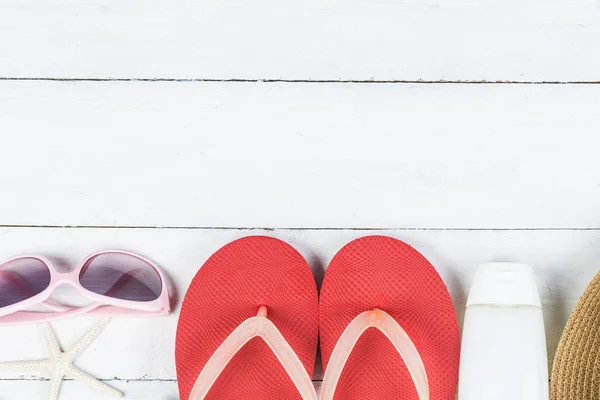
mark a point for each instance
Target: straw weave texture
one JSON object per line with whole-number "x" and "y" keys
{"x": 576, "y": 370}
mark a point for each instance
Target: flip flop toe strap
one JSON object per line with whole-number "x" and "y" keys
{"x": 393, "y": 331}
{"x": 259, "y": 326}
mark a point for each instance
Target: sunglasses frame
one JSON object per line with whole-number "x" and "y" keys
{"x": 103, "y": 305}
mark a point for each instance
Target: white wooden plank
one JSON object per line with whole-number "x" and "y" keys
{"x": 299, "y": 155}
{"x": 139, "y": 390}
{"x": 142, "y": 390}
{"x": 523, "y": 40}
{"x": 143, "y": 348}
{"x": 132, "y": 389}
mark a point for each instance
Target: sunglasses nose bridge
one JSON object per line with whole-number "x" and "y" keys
{"x": 67, "y": 278}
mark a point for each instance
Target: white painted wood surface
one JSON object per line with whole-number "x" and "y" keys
{"x": 515, "y": 40}
{"x": 175, "y": 169}
{"x": 136, "y": 390}
{"x": 300, "y": 155}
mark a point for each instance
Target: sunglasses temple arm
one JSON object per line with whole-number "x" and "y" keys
{"x": 57, "y": 307}
{"x": 21, "y": 317}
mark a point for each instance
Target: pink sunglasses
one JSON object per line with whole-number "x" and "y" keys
{"x": 118, "y": 283}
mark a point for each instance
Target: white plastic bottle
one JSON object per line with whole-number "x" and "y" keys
{"x": 503, "y": 355}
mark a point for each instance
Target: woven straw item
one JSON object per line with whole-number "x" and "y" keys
{"x": 576, "y": 370}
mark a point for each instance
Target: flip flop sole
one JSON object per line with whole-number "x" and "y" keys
{"x": 385, "y": 273}
{"x": 229, "y": 288}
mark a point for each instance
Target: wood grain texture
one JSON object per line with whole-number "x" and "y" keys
{"x": 135, "y": 390}
{"x": 515, "y": 40}
{"x": 299, "y": 155}
{"x": 142, "y": 348}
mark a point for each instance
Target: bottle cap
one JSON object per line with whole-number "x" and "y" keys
{"x": 504, "y": 284}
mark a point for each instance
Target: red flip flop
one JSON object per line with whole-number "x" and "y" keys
{"x": 248, "y": 327}
{"x": 413, "y": 351}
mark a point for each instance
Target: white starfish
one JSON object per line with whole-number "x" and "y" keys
{"x": 60, "y": 364}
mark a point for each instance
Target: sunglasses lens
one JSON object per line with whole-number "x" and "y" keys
{"x": 121, "y": 276}
{"x": 21, "y": 279}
